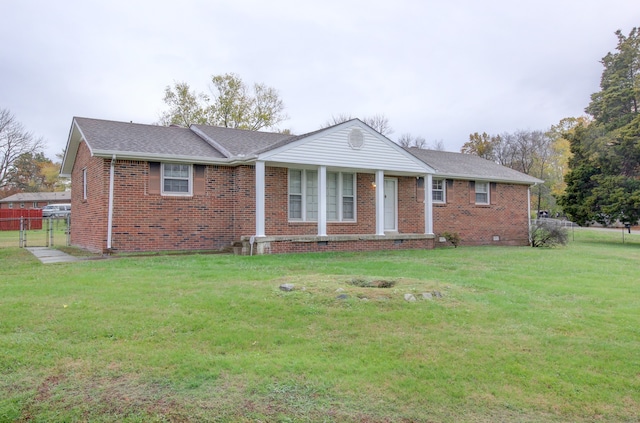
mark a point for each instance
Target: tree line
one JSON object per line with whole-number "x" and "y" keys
{"x": 590, "y": 164}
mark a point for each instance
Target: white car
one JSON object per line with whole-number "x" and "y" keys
{"x": 56, "y": 210}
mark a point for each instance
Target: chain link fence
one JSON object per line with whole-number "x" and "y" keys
{"x": 34, "y": 231}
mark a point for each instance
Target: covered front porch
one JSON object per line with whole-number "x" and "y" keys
{"x": 393, "y": 210}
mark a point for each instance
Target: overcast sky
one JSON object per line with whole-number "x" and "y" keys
{"x": 436, "y": 69}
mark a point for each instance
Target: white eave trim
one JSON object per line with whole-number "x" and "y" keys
{"x": 173, "y": 158}
{"x": 437, "y": 175}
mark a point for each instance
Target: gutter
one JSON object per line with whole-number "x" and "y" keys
{"x": 240, "y": 160}
{"x": 110, "y": 216}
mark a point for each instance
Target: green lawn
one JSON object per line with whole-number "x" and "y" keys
{"x": 519, "y": 334}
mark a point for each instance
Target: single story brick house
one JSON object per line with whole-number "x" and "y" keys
{"x": 344, "y": 188}
{"x": 34, "y": 200}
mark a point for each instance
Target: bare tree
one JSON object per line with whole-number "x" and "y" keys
{"x": 14, "y": 142}
{"x": 379, "y": 122}
{"x": 337, "y": 119}
{"x": 407, "y": 140}
{"x": 437, "y": 145}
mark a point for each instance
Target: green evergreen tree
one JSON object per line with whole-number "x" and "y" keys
{"x": 603, "y": 182}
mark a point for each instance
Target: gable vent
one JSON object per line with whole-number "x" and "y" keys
{"x": 356, "y": 139}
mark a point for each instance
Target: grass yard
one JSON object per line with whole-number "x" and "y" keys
{"x": 518, "y": 334}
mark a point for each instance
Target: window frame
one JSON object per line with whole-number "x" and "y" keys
{"x": 341, "y": 196}
{"x": 189, "y": 180}
{"x": 84, "y": 183}
{"x": 309, "y": 201}
{"x": 487, "y": 193}
{"x": 442, "y": 190}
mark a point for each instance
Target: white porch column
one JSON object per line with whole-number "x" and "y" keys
{"x": 322, "y": 201}
{"x": 428, "y": 204}
{"x": 260, "y": 207}
{"x": 380, "y": 202}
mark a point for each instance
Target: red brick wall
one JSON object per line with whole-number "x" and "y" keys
{"x": 154, "y": 222}
{"x": 226, "y": 211}
{"x": 360, "y": 245}
{"x": 89, "y": 217}
{"x": 506, "y": 217}
{"x": 410, "y": 216}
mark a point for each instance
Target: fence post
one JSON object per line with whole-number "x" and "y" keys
{"x": 21, "y": 236}
{"x": 50, "y": 232}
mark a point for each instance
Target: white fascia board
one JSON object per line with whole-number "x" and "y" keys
{"x": 71, "y": 150}
{"x": 533, "y": 180}
{"x": 130, "y": 155}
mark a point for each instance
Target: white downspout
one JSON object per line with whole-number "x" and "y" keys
{"x": 529, "y": 213}
{"x": 322, "y": 201}
{"x": 428, "y": 204}
{"x": 110, "y": 216}
{"x": 260, "y": 198}
{"x": 379, "y": 202}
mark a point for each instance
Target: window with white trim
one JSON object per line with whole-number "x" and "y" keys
{"x": 438, "y": 191}
{"x": 341, "y": 194}
{"x": 34, "y": 205}
{"x": 84, "y": 183}
{"x": 177, "y": 179}
{"x": 482, "y": 192}
{"x": 303, "y": 196}
{"x": 10, "y": 205}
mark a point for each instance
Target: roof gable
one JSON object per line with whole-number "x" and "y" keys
{"x": 351, "y": 144}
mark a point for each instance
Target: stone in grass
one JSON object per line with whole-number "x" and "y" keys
{"x": 437, "y": 294}
{"x": 409, "y": 297}
{"x": 286, "y": 287}
{"x": 342, "y": 297}
{"x": 427, "y": 296}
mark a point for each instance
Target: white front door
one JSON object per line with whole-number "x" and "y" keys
{"x": 390, "y": 204}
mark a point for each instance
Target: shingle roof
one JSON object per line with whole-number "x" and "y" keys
{"x": 240, "y": 142}
{"x": 468, "y": 166}
{"x": 211, "y": 143}
{"x": 135, "y": 138}
{"x": 38, "y": 196}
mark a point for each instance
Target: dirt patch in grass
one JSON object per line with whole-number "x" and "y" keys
{"x": 372, "y": 288}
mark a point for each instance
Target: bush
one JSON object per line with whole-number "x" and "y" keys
{"x": 453, "y": 238}
{"x": 548, "y": 234}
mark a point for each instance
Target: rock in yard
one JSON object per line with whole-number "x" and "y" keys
{"x": 286, "y": 287}
{"x": 409, "y": 297}
{"x": 427, "y": 296}
{"x": 342, "y": 297}
{"x": 437, "y": 294}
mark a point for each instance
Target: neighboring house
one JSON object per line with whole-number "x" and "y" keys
{"x": 34, "y": 200}
{"x": 343, "y": 188}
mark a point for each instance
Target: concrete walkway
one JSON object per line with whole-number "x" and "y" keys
{"x": 50, "y": 255}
